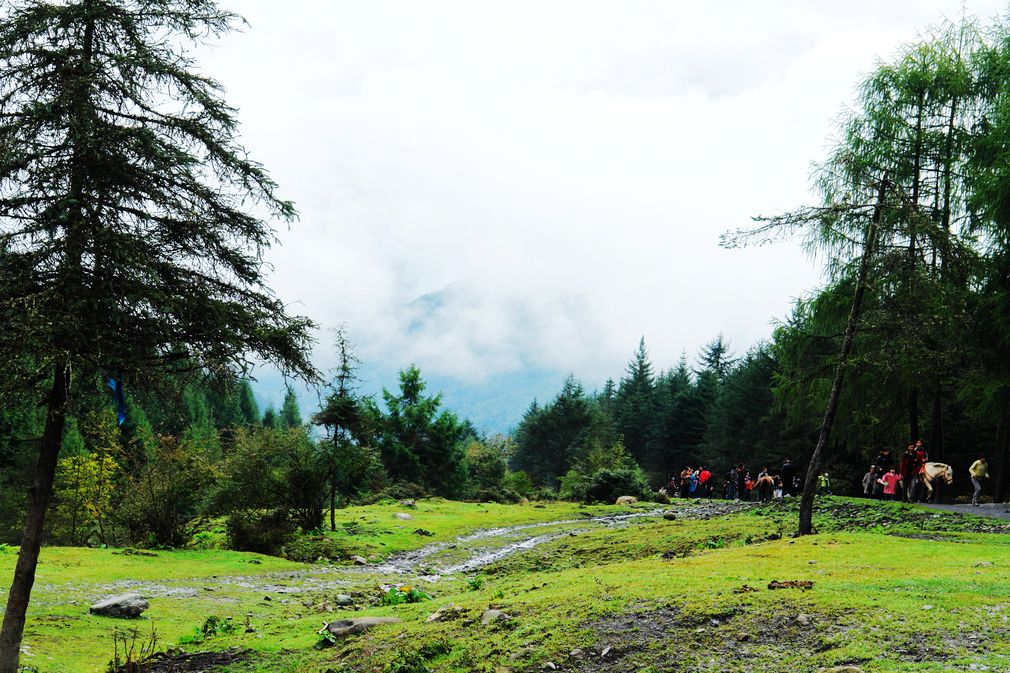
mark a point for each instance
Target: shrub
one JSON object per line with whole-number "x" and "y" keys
{"x": 519, "y": 482}
{"x": 260, "y": 532}
{"x": 503, "y": 496}
{"x": 275, "y": 469}
{"x": 485, "y": 465}
{"x": 166, "y": 494}
{"x": 404, "y": 594}
{"x": 401, "y": 490}
{"x": 305, "y": 549}
{"x": 608, "y": 485}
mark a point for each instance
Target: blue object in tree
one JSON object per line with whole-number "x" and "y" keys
{"x": 120, "y": 398}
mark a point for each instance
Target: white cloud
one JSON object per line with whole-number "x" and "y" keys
{"x": 556, "y": 174}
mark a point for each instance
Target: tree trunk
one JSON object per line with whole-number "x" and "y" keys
{"x": 913, "y": 415}
{"x": 936, "y": 425}
{"x": 31, "y": 539}
{"x": 810, "y": 484}
{"x": 333, "y": 502}
{"x": 1002, "y": 457}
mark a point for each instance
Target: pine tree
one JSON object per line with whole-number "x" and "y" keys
{"x": 635, "y": 405}
{"x": 248, "y": 407}
{"x": 291, "y": 414}
{"x": 130, "y": 235}
{"x": 342, "y": 415}
{"x": 271, "y": 420}
{"x": 420, "y": 442}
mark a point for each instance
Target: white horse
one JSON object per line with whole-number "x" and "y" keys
{"x": 933, "y": 471}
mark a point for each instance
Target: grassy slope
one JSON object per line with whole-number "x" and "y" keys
{"x": 883, "y": 602}
{"x": 62, "y": 636}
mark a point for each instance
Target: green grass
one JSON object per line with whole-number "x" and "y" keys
{"x": 374, "y": 531}
{"x": 663, "y": 594}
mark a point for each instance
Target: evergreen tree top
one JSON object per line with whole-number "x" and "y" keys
{"x": 132, "y": 222}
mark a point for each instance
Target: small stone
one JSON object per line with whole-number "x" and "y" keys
{"x": 605, "y": 652}
{"x": 669, "y": 515}
{"x": 359, "y": 560}
{"x": 408, "y": 503}
{"x": 550, "y": 666}
{"x": 346, "y": 627}
{"x": 802, "y": 619}
{"x": 445, "y": 613}
{"x": 344, "y": 600}
{"x": 627, "y": 500}
{"x": 403, "y": 516}
{"x": 492, "y": 616}
{"x": 576, "y": 653}
{"x": 927, "y": 607}
{"x": 811, "y": 562}
{"x": 984, "y": 564}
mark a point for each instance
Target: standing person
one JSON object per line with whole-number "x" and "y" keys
{"x": 890, "y": 482}
{"x": 685, "y": 482}
{"x": 883, "y": 461}
{"x": 731, "y": 481}
{"x": 921, "y": 458}
{"x": 741, "y": 483}
{"x": 705, "y": 478}
{"x": 979, "y": 470}
{"x": 907, "y": 472}
{"x": 869, "y": 479}
{"x": 823, "y": 484}
{"x": 788, "y": 477}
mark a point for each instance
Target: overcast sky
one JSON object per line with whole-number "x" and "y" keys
{"x": 487, "y": 188}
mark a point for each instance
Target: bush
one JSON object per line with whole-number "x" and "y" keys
{"x": 609, "y": 485}
{"x": 543, "y": 494}
{"x": 485, "y": 465}
{"x": 502, "y": 496}
{"x": 401, "y": 490}
{"x": 306, "y": 549}
{"x": 519, "y": 482}
{"x": 260, "y": 532}
{"x": 604, "y": 486}
{"x": 275, "y": 470}
{"x": 166, "y": 494}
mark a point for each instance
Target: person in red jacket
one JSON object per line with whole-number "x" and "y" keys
{"x": 907, "y": 472}
{"x": 890, "y": 482}
{"x": 704, "y": 487}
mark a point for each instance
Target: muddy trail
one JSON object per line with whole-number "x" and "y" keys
{"x": 465, "y": 554}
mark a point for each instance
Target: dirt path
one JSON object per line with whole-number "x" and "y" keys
{"x": 992, "y": 510}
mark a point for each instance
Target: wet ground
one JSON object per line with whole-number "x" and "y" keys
{"x": 995, "y": 510}
{"x": 464, "y": 555}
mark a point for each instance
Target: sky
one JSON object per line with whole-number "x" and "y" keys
{"x": 507, "y": 192}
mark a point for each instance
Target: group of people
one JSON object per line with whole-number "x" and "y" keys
{"x": 886, "y": 481}
{"x": 738, "y": 484}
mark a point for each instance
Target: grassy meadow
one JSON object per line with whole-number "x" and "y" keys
{"x": 894, "y": 588}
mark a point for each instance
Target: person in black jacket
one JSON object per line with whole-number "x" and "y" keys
{"x": 789, "y": 477}
{"x": 883, "y": 461}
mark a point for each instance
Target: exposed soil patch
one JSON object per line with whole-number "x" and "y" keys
{"x": 668, "y": 640}
{"x": 184, "y": 662}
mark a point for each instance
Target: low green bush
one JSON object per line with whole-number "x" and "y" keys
{"x": 310, "y": 549}
{"x": 260, "y": 532}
